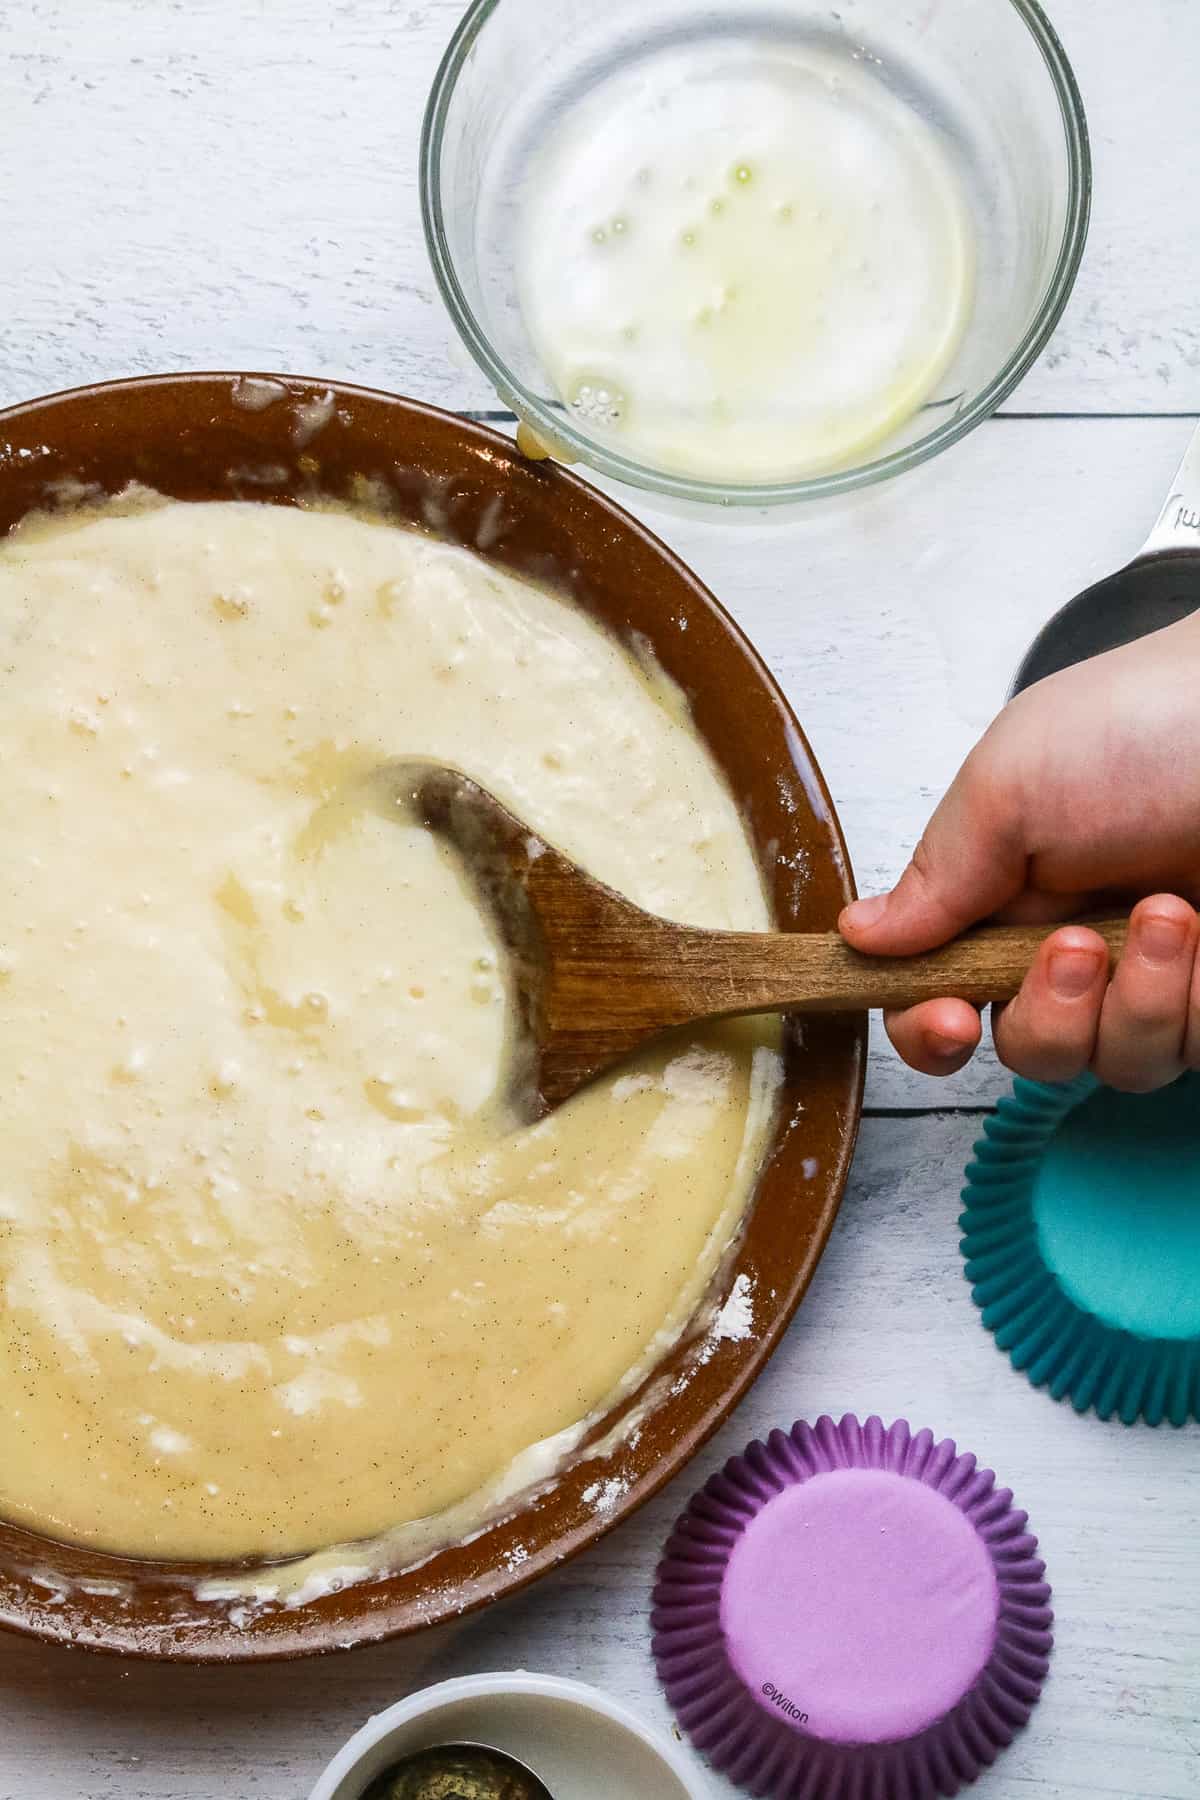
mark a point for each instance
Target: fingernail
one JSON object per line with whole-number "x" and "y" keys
{"x": 944, "y": 1048}
{"x": 1072, "y": 972}
{"x": 1160, "y": 938}
{"x": 866, "y": 913}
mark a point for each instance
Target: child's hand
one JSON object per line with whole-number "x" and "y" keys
{"x": 1086, "y": 786}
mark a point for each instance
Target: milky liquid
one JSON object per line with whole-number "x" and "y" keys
{"x": 745, "y": 262}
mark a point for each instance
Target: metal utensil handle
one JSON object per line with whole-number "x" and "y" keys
{"x": 1178, "y": 526}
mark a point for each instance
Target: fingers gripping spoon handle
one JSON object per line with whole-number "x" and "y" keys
{"x": 596, "y": 977}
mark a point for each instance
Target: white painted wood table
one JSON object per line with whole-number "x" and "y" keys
{"x": 232, "y": 183}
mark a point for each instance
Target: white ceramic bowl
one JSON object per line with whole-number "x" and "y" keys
{"x": 583, "y": 1745}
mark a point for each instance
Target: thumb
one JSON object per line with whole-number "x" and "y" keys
{"x": 970, "y": 862}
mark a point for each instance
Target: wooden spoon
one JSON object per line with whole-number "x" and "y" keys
{"x": 596, "y": 976}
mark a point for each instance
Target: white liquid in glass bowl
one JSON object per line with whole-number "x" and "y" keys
{"x": 744, "y": 259}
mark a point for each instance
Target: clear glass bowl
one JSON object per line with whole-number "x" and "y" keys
{"x": 990, "y": 77}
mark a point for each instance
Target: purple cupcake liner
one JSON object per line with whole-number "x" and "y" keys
{"x": 761, "y": 1738}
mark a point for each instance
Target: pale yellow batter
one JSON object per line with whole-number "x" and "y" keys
{"x": 278, "y": 1269}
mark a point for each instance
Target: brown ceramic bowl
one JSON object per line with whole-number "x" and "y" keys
{"x": 208, "y": 437}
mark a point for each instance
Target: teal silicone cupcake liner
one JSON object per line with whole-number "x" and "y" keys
{"x": 1081, "y": 1236}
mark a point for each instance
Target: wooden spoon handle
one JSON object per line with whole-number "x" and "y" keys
{"x": 984, "y": 965}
